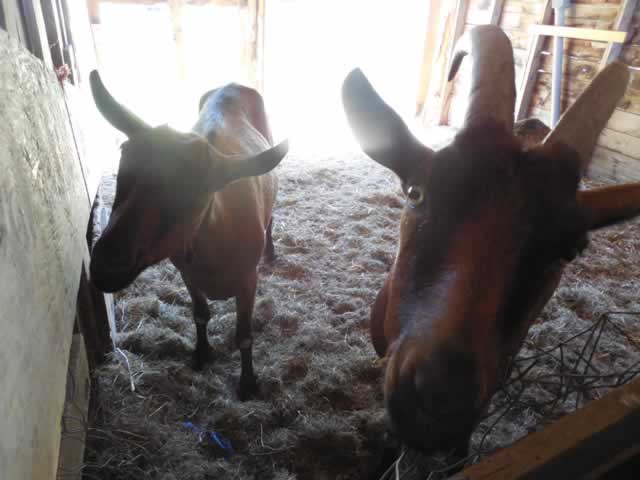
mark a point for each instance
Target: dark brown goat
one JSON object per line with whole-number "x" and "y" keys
{"x": 202, "y": 199}
{"x": 486, "y": 232}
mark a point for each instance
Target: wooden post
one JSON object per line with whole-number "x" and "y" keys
{"x": 458, "y": 27}
{"x": 530, "y": 72}
{"x": 430, "y": 42}
{"x": 496, "y": 12}
{"x": 94, "y": 11}
{"x": 623, "y": 21}
{"x": 36, "y": 30}
{"x": 175, "y": 8}
{"x": 254, "y": 44}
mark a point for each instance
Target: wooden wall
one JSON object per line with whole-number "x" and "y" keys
{"x": 617, "y": 157}
{"x": 44, "y": 211}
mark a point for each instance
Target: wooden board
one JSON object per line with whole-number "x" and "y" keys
{"x": 74, "y": 416}
{"x": 615, "y": 167}
{"x": 429, "y": 52}
{"x": 458, "y": 29}
{"x": 43, "y": 216}
{"x": 579, "y": 33}
{"x": 623, "y": 21}
{"x": 527, "y": 81}
{"x": 572, "y": 447}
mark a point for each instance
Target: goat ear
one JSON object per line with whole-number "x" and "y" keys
{"x": 235, "y": 168}
{"x": 606, "y": 206}
{"x": 380, "y": 131}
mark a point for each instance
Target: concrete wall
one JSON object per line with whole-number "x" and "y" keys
{"x": 44, "y": 211}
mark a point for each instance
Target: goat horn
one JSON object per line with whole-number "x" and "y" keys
{"x": 117, "y": 115}
{"x": 492, "y": 94}
{"x": 580, "y": 125}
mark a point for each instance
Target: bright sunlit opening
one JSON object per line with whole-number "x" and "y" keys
{"x": 310, "y": 46}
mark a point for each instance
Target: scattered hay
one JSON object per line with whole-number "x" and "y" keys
{"x": 320, "y": 414}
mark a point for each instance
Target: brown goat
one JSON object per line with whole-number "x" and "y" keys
{"x": 486, "y": 232}
{"x": 202, "y": 199}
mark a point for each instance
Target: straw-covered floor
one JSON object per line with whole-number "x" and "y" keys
{"x": 320, "y": 414}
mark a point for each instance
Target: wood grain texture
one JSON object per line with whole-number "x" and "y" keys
{"x": 572, "y": 447}
{"x": 43, "y": 216}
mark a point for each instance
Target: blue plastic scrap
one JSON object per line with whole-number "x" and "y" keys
{"x": 212, "y": 438}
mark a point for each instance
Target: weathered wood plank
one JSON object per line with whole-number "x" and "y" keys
{"x": 579, "y": 33}
{"x": 428, "y": 55}
{"x": 36, "y": 31}
{"x": 43, "y": 216}
{"x": 608, "y": 165}
{"x": 620, "y": 142}
{"x": 623, "y": 21}
{"x": 74, "y": 416}
{"x": 528, "y": 79}
{"x": 458, "y": 28}
{"x": 496, "y": 12}
{"x": 571, "y": 447}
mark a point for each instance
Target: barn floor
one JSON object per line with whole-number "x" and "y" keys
{"x": 320, "y": 414}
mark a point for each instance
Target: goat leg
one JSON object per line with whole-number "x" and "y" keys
{"x": 245, "y": 299}
{"x": 270, "y": 253}
{"x": 201, "y": 316}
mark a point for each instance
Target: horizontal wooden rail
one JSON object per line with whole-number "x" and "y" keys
{"x": 579, "y": 33}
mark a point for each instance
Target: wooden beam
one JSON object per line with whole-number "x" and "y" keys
{"x": 623, "y": 21}
{"x": 229, "y": 3}
{"x": 579, "y": 33}
{"x": 527, "y": 83}
{"x": 93, "y": 6}
{"x": 254, "y": 44}
{"x": 496, "y": 12}
{"x": 54, "y": 32}
{"x": 36, "y": 30}
{"x": 458, "y": 27}
{"x": 596, "y": 436}
{"x": 430, "y": 43}
{"x": 175, "y": 9}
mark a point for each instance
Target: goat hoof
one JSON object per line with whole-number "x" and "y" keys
{"x": 247, "y": 388}
{"x": 200, "y": 358}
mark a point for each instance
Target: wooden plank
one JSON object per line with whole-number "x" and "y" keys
{"x": 458, "y": 28}
{"x": 36, "y": 30}
{"x": 175, "y": 11}
{"x": 527, "y": 82}
{"x": 93, "y": 320}
{"x": 496, "y": 12}
{"x": 254, "y": 44}
{"x": 229, "y": 3}
{"x": 620, "y": 142}
{"x": 93, "y": 7}
{"x": 43, "y": 216}
{"x": 14, "y": 21}
{"x": 611, "y": 166}
{"x": 74, "y": 416}
{"x": 573, "y": 446}
{"x": 428, "y": 53}
{"x": 54, "y": 32}
{"x": 623, "y": 21}
{"x": 579, "y": 33}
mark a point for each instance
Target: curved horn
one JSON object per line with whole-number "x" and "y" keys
{"x": 117, "y": 115}
{"x": 580, "y": 125}
{"x": 492, "y": 94}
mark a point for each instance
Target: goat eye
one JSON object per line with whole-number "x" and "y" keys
{"x": 415, "y": 195}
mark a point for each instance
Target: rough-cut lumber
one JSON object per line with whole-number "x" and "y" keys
{"x": 623, "y": 21}
{"x": 74, "y": 417}
{"x": 175, "y": 11}
{"x": 36, "y": 31}
{"x": 458, "y": 29}
{"x": 579, "y": 33}
{"x": 527, "y": 81}
{"x": 54, "y": 32}
{"x": 496, "y": 12}
{"x": 608, "y": 165}
{"x": 44, "y": 212}
{"x": 429, "y": 50}
{"x": 591, "y": 438}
